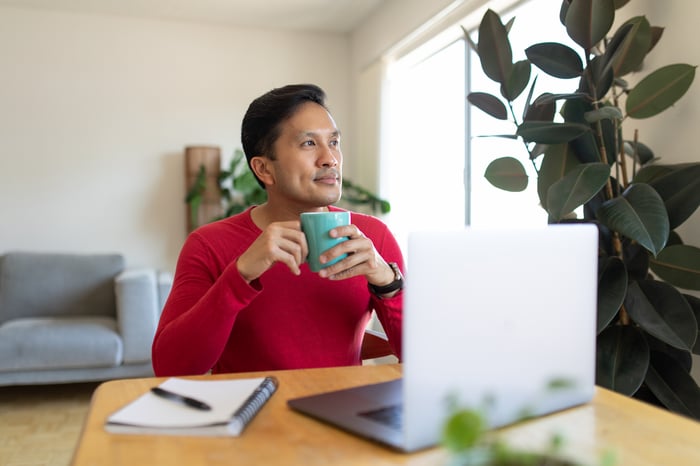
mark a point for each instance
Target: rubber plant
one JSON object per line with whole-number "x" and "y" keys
{"x": 239, "y": 190}
{"x": 584, "y": 160}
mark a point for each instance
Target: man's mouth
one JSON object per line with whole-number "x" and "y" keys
{"x": 328, "y": 178}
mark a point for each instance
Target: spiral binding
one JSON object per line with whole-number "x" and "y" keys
{"x": 251, "y": 406}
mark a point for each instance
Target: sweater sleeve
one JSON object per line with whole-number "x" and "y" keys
{"x": 200, "y": 311}
{"x": 390, "y": 310}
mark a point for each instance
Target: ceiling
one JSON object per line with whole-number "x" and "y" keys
{"x": 336, "y": 16}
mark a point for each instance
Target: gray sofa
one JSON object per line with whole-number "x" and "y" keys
{"x": 73, "y": 318}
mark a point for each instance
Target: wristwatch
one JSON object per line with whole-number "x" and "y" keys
{"x": 396, "y": 285}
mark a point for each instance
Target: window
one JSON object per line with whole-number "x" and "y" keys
{"x": 429, "y": 124}
{"x": 424, "y": 173}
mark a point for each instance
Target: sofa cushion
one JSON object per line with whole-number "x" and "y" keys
{"x": 52, "y": 285}
{"x": 59, "y": 343}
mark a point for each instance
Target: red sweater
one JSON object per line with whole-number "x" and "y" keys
{"x": 213, "y": 319}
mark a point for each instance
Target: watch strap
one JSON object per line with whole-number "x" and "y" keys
{"x": 396, "y": 285}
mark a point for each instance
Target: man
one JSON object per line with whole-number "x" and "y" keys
{"x": 242, "y": 298}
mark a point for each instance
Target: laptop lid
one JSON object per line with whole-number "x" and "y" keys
{"x": 497, "y": 314}
{"x": 489, "y": 314}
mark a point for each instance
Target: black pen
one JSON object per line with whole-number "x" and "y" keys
{"x": 186, "y": 400}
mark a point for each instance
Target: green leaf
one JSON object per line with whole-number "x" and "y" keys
{"x": 684, "y": 358}
{"x": 355, "y": 194}
{"x": 548, "y": 97}
{"x": 680, "y": 191}
{"x": 603, "y": 113}
{"x": 462, "y": 430}
{"x": 656, "y": 33}
{"x": 198, "y": 186}
{"x": 634, "y": 46}
{"x": 558, "y": 160}
{"x": 246, "y": 183}
{"x": 659, "y": 90}
{"x": 257, "y": 197}
{"x": 588, "y": 21}
{"x": 562, "y": 11}
{"x": 194, "y": 211}
{"x": 661, "y": 311}
{"x": 489, "y": 104}
{"x": 528, "y": 100}
{"x": 545, "y": 132}
{"x": 537, "y": 150}
{"x": 517, "y": 80}
{"x": 555, "y": 59}
{"x": 651, "y": 172}
{"x": 384, "y": 206}
{"x": 612, "y": 288}
{"x": 541, "y": 110}
{"x": 495, "y": 53}
{"x": 507, "y": 173}
{"x": 597, "y": 79}
{"x": 622, "y": 356}
{"x": 469, "y": 40}
{"x": 639, "y": 151}
{"x": 504, "y": 136}
{"x": 673, "y": 386}
{"x": 576, "y": 188}
{"x": 638, "y": 214}
{"x": 678, "y": 265}
{"x": 238, "y": 159}
{"x": 694, "y": 303}
{"x": 585, "y": 147}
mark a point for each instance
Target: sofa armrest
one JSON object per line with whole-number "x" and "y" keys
{"x": 165, "y": 283}
{"x": 138, "y": 310}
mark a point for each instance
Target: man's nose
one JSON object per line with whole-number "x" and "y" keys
{"x": 328, "y": 158}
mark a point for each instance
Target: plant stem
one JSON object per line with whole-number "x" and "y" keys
{"x": 624, "y": 316}
{"x": 603, "y": 155}
{"x": 527, "y": 148}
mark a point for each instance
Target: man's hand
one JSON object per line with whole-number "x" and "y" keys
{"x": 279, "y": 242}
{"x": 363, "y": 258}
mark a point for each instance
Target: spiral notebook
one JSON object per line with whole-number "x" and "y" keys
{"x": 233, "y": 403}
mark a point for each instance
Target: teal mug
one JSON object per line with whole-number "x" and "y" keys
{"x": 316, "y": 227}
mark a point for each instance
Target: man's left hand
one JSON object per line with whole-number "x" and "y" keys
{"x": 362, "y": 259}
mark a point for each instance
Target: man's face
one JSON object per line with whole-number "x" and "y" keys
{"x": 307, "y": 165}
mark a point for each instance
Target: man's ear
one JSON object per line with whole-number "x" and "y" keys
{"x": 262, "y": 168}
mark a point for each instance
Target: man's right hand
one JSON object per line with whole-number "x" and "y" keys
{"x": 279, "y": 242}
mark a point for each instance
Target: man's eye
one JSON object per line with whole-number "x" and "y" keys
{"x": 335, "y": 142}
{"x": 307, "y": 143}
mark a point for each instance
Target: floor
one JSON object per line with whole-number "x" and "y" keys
{"x": 40, "y": 424}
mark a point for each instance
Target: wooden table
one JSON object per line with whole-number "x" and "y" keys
{"x": 635, "y": 433}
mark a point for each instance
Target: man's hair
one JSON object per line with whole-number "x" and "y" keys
{"x": 261, "y": 123}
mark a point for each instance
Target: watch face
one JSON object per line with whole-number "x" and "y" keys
{"x": 398, "y": 277}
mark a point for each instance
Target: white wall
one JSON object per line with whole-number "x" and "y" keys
{"x": 95, "y": 112}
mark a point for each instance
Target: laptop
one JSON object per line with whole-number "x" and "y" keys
{"x": 492, "y": 317}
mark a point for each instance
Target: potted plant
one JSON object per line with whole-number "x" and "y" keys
{"x": 239, "y": 190}
{"x": 582, "y": 157}
{"x": 469, "y": 443}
